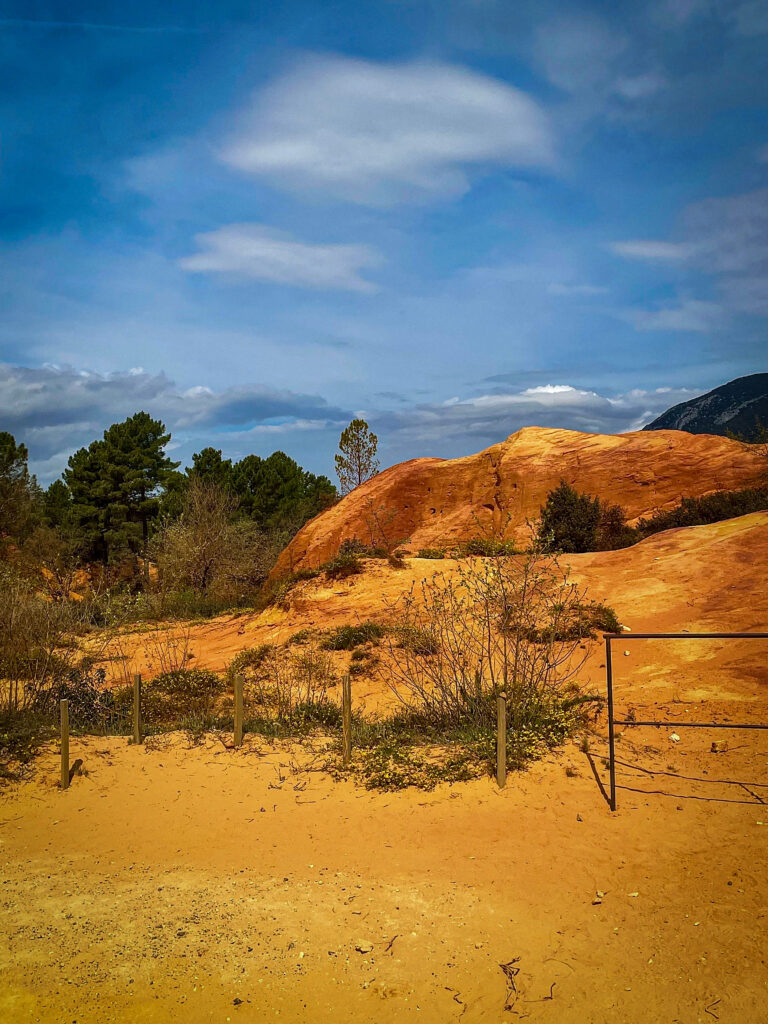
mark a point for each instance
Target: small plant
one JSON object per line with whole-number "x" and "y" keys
{"x": 430, "y": 553}
{"x": 360, "y": 550}
{"x": 247, "y": 660}
{"x": 300, "y": 637}
{"x": 184, "y": 698}
{"x": 485, "y": 547}
{"x": 346, "y": 638}
{"x": 341, "y": 566}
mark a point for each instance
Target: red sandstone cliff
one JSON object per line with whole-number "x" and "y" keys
{"x": 437, "y": 502}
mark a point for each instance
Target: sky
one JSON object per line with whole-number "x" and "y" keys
{"x": 454, "y": 218}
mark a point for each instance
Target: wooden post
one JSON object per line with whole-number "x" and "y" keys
{"x": 346, "y": 718}
{"x": 501, "y": 740}
{"x": 64, "y": 710}
{"x": 238, "y": 738}
{"x": 137, "y": 708}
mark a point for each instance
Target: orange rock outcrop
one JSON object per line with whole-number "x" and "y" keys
{"x": 438, "y": 502}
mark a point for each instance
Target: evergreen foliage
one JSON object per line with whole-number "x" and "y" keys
{"x": 357, "y": 460}
{"x": 19, "y": 494}
{"x": 115, "y": 487}
{"x": 569, "y": 520}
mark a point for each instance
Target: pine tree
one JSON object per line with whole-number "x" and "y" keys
{"x": 357, "y": 461}
{"x": 19, "y": 493}
{"x": 210, "y": 467}
{"x": 115, "y": 483}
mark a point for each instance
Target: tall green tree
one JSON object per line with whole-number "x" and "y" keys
{"x": 277, "y": 493}
{"x": 209, "y": 466}
{"x": 115, "y": 485}
{"x": 569, "y": 520}
{"x": 19, "y": 493}
{"x": 356, "y": 461}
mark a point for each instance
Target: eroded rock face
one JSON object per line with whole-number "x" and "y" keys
{"x": 438, "y": 502}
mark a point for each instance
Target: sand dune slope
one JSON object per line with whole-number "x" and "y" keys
{"x": 435, "y": 502}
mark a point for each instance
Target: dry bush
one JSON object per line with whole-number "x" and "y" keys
{"x": 280, "y": 681}
{"x": 36, "y": 645}
{"x": 210, "y": 551}
{"x": 511, "y": 624}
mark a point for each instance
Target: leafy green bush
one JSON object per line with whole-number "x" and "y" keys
{"x": 360, "y": 550}
{"x": 430, "y": 553}
{"x": 419, "y": 641}
{"x": 187, "y": 697}
{"x": 569, "y": 520}
{"x": 713, "y": 508}
{"x": 486, "y": 547}
{"x": 346, "y": 638}
{"x": 249, "y": 658}
{"x": 299, "y": 637}
{"x": 341, "y": 566}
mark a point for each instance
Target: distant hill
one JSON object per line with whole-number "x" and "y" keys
{"x": 733, "y": 407}
{"x": 438, "y": 502}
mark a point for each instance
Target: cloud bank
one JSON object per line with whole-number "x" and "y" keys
{"x": 725, "y": 237}
{"x": 55, "y": 410}
{"x": 256, "y": 252}
{"x": 382, "y": 133}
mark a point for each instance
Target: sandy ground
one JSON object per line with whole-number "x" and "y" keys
{"x": 700, "y": 579}
{"x": 204, "y": 884}
{"x": 197, "y": 884}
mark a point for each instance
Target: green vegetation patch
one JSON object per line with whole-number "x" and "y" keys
{"x": 485, "y": 547}
{"x": 347, "y": 638}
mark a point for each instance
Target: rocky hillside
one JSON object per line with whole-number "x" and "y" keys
{"x": 437, "y": 502}
{"x": 734, "y": 407}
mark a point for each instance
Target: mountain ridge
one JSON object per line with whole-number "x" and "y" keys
{"x": 735, "y": 407}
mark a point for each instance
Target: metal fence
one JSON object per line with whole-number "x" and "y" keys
{"x": 613, "y": 722}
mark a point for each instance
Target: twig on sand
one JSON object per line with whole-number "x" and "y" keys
{"x": 708, "y": 1009}
{"x": 510, "y": 973}
{"x": 389, "y": 944}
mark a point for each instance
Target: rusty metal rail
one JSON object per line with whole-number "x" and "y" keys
{"x": 613, "y": 722}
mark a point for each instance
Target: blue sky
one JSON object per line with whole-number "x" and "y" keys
{"x": 455, "y": 218}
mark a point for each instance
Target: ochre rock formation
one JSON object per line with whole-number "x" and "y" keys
{"x": 438, "y": 502}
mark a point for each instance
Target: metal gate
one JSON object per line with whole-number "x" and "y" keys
{"x": 612, "y": 722}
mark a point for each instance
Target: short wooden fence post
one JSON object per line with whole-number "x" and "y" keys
{"x": 137, "y": 708}
{"x": 346, "y": 718}
{"x": 64, "y": 711}
{"x": 501, "y": 740}
{"x": 238, "y": 737}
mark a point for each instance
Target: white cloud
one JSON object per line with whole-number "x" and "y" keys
{"x": 689, "y": 315}
{"x": 54, "y": 410}
{"x": 383, "y": 133}
{"x": 726, "y": 237}
{"x": 655, "y": 251}
{"x": 489, "y": 418}
{"x": 257, "y": 252}
{"x": 578, "y": 52}
{"x": 576, "y": 289}
{"x": 637, "y": 87}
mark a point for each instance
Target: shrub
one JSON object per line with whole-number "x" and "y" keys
{"x": 360, "y": 550}
{"x": 712, "y": 508}
{"x": 186, "y": 697}
{"x": 569, "y": 521}
{"x": 249, "y": 658}
{"x": 502, "y": 624}
{"x": 486, "y": 547}
{"x": 302, "y": 636}
{"x": 341, "y": 566}
{"x": 430, "y": 553}
{"x": 283, "y": 680}
{"x": 612, "y": 530}
{"x": 346, "y": 638}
